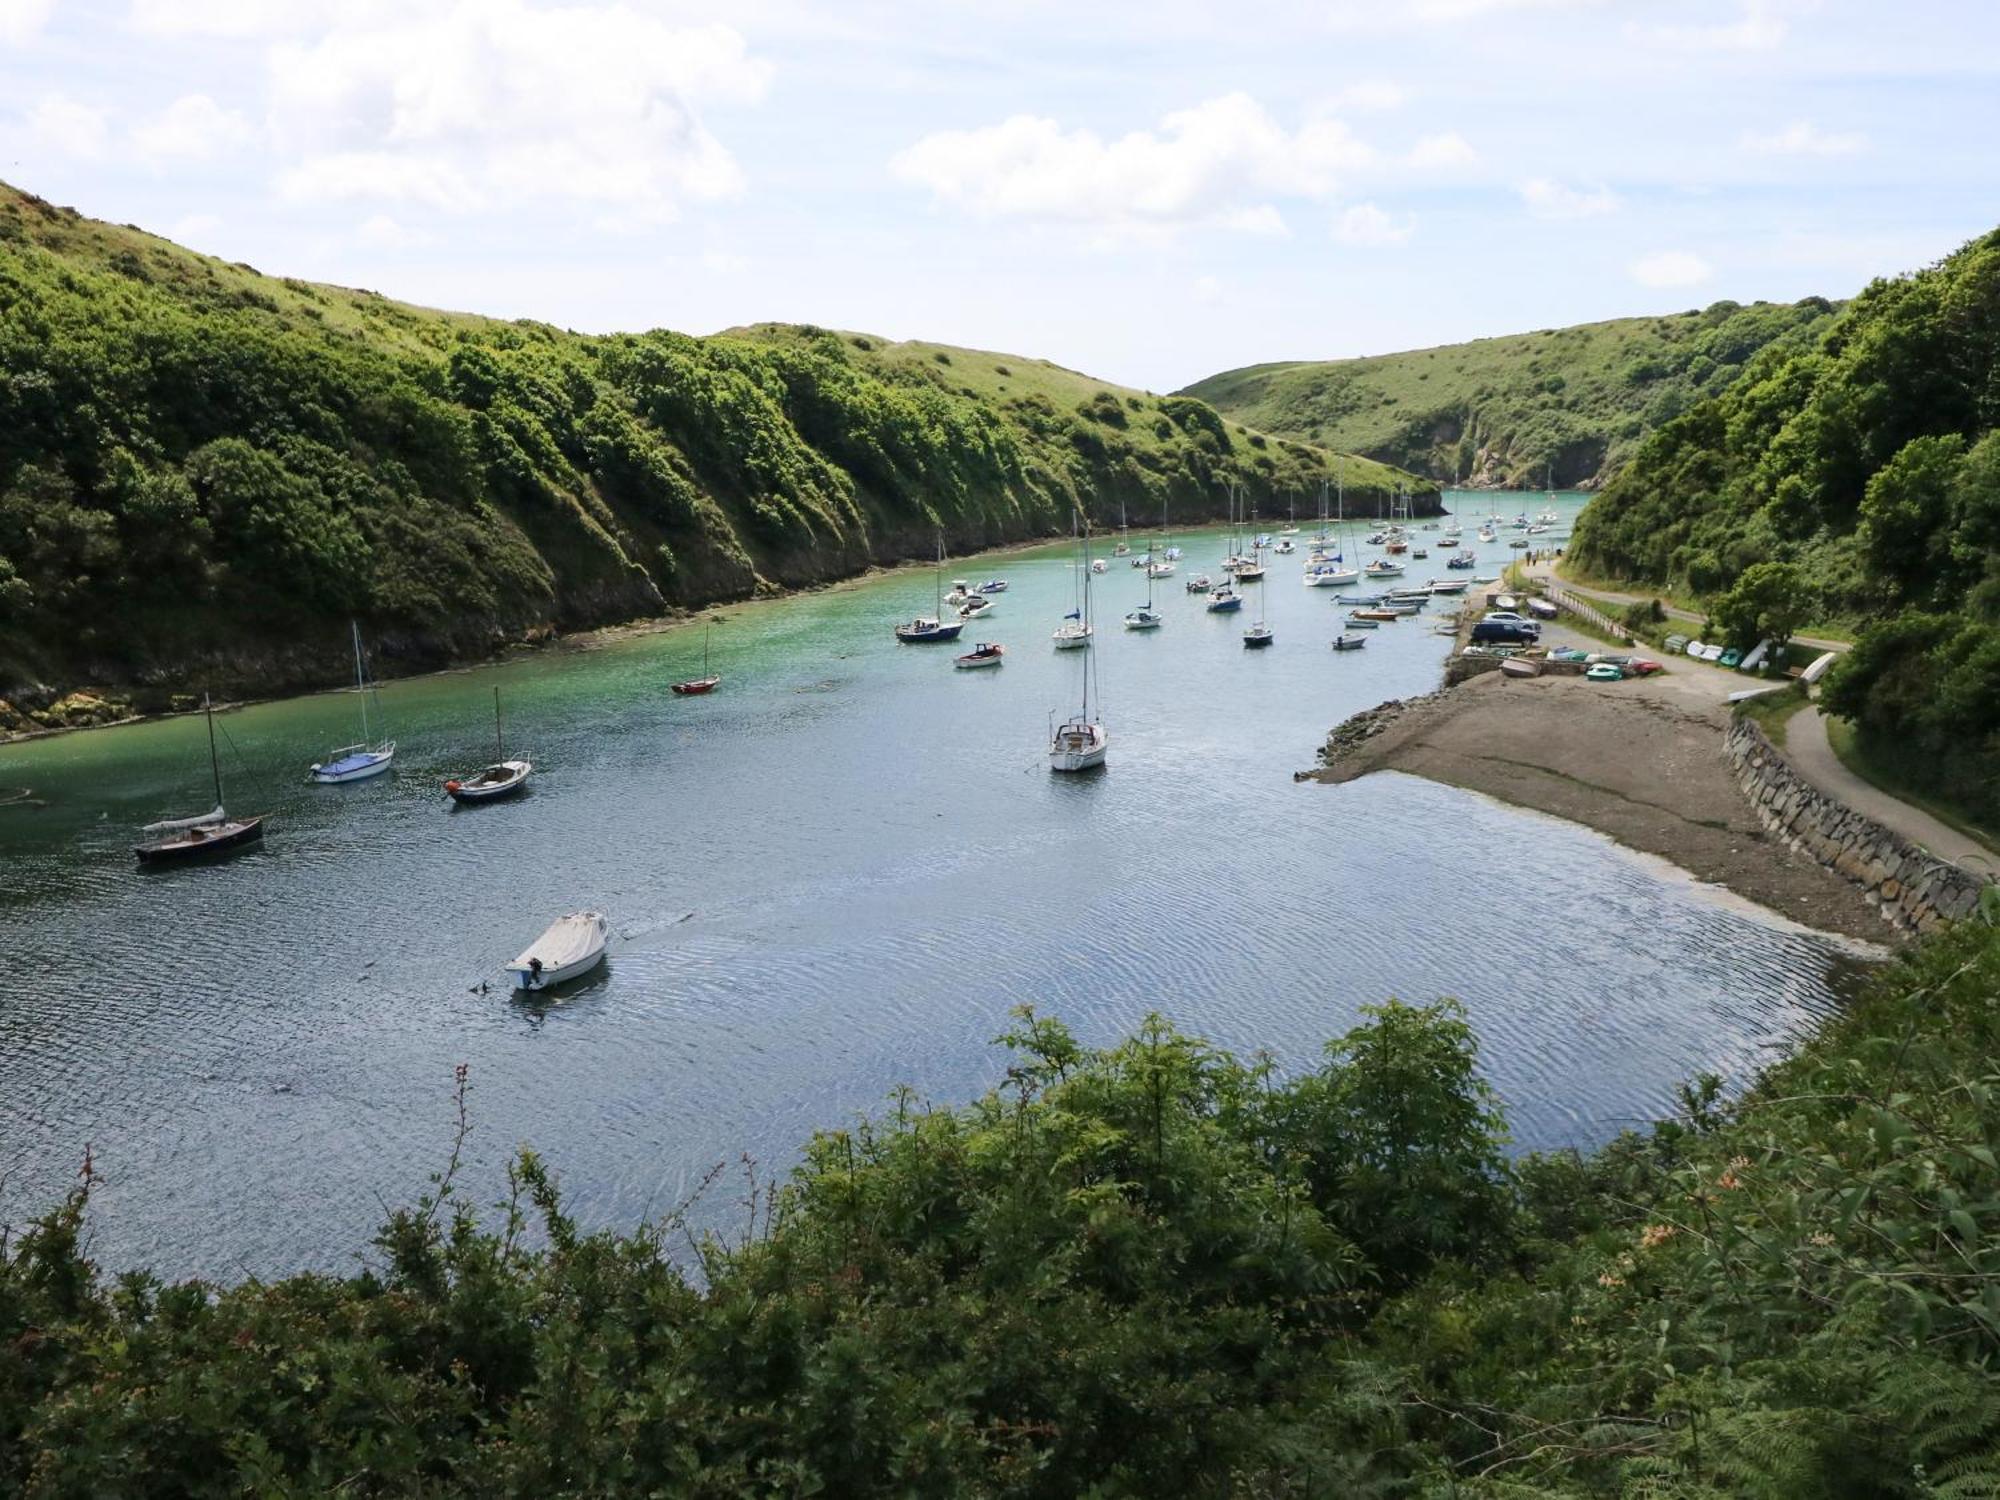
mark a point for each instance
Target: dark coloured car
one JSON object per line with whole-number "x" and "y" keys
{"x": 1505, "y": 633}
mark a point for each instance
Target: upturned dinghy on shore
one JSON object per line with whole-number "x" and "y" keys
{"x": 573, "y": 945}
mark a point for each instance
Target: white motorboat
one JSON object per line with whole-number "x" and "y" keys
{"x": 985, "y": 654}
{"x": 1099, "y": 566}
{"x": 1381, "y": 567}
{"x": 1160, "y": 570}
{"x": 573, "y": 945}
{"x": 359, "y": 761}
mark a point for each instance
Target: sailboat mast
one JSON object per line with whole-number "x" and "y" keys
{"x": 214, "y": 765}
{"x": 499, "y": 738}
{"x": 1092, "y": 650}
{"x": 360, "y": 684}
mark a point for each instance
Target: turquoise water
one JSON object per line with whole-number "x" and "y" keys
{"x": 834, "y": 875}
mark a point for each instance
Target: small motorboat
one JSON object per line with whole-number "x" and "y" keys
{"x": 923, "y": 630}
{"x": 1172, "y": 554}
{"x": 1223, "y": 600}
{"x": 1257, "y": 635}
{"x": 993, "y": 586}
{"x": 1516, "y": 666}
{"x": 1249, "y": 572}
{"x": 1420, "y": 552}
{"x": 1379, "y": 614}
{"x": 1099, "y": 566}
{"x": 1462, "y": 559}
{"x": 1201, "y": 583}
{"x": 974, "y": 607}
{"x": 1381, "y": 567}
{"x": 1356, "y": 622}
{"x": 501, "y": 779}
{"x": 572, "y": 945}
{"x": 1160, "y": 570}
{"x": 1144, "y": 618}
{"x": 1121, "y": 550}
{"x": 1448, "y": 585}
{"x": 985, "y": 654}
{"x": 1488, "y": 534}
{"x": 1285, "y": 548}
{"x": 1349, "y": 642}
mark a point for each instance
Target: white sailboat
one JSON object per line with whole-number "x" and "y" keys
{"x": 1074, "y": 632}
{"x": 1079, "y": 744}
{"x": 1259, "y": 633}
{"x": 356, "y": 762}
{"x": 1145, "y": 617}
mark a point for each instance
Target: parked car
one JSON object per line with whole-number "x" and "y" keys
{"x": 1506, "y": 614}
{"x": 1507, "y": 632}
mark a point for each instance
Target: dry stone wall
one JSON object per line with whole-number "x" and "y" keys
{"x": 1915, "y": 890}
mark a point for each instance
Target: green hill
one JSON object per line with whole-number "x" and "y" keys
{"x": 205, "y": 471}
{"x": 1854, "y": 476}
{"x": 1508, "y": 412}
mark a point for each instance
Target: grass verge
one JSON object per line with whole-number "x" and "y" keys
{"x": 1847, "y": 745}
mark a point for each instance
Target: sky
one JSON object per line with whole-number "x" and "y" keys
{"x": 1149, "y": 192}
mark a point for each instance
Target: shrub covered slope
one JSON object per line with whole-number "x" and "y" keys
{"x": 1568, "y": 402}
{"x": 1859, "y": 475}
{"x": 203, "y": 469}
{"x": 1149, "y": 1270}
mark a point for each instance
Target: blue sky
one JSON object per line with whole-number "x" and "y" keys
{"x": 1151, "y": 192}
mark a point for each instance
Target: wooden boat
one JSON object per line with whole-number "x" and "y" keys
{"x": 693, "y": 687}
{"x": 572, "y": 946}
{"x": 501, "y": 779}
{"x": 356, "y": 762}
{"x": 1378, "y": 615}
{"x": 1515, "y": 666}
{"x": 985, "y": 654}
{"x": 1349, "y": 642}
{"x": 211, "y": 833}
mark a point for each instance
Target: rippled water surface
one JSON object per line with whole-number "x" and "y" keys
{"x": 834, "y": 875}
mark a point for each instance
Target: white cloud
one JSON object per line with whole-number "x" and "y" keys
{"x": 1441, "y": 151}
{"x": 1216, "y": 164}
{"x": 192, "y": 128}
{"x": 470, "y": 104}
{"x": 1803, "y": 138}
{"x": 1549, "y": 199}
{"x": 1669, "y": 268}
{"x": 380, "y": 232}
{"x": 195, "y": 231}
{"x": 1367, "y": 96}
{"x": 70, "y": 127}
{"x": 1365, "y": 224}
{"x": 21, "y": 21}
{"x": 1759, "y": 26}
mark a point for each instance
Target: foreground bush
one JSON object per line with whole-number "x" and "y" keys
{"x": 1152, "y": 1268}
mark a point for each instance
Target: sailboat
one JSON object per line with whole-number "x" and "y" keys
{"x": 1079, "y": 744}
{"x": 501, "y": 779}
{"x": 1259, "y": 634}
{"x": 1074, "y": 632}
{"x": 356, "y": 762}
{"x": 1328, "y": 570}
{"x": 935, "y": 627}
{"x": 1145, "y": 617}
{"x": 207, "y": 833}
{"x": 1163, "y": 565}
{"x": 694, "y": 685}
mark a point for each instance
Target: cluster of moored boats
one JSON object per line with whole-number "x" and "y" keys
{"x": 1081, "y": 742}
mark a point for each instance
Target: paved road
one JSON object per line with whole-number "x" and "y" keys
{"x": 1811, "y": 755}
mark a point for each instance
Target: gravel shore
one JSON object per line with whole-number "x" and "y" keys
{"x": 1639, "y": 762}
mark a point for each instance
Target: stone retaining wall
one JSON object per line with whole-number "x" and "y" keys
{"x": 1914, "y": 890}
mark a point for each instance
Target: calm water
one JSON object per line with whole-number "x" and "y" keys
{"x": 833, "y": 876}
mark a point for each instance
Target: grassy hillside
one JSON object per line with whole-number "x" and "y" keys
{"x": 205, "y": 471}
{"x": 1508, "y": 411}
{"x": 1151, "y": 1269}
{"x": 1857, "y": 476}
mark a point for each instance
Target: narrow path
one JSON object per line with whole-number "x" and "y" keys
{"x": 1691, "y": 617}
{"x": 1812, "y": 756}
